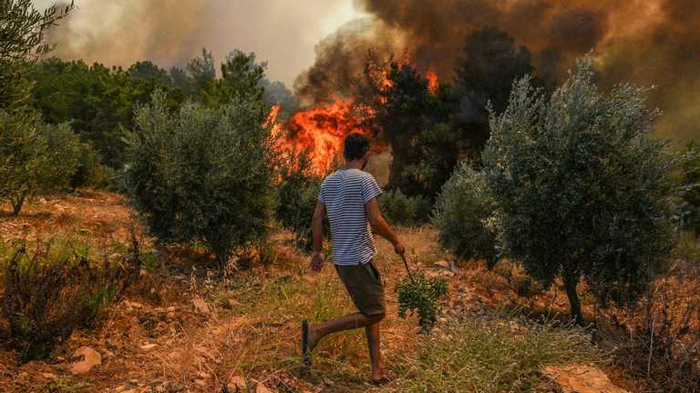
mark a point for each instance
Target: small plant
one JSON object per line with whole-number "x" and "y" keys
{"x": 420, "y": 295}
{"x": 58, "y": 287}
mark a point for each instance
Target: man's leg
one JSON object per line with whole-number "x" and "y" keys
{"x": 375, "y": 355}
{"x": 348, "y": 322}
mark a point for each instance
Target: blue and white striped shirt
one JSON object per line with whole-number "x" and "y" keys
{"x": 344, "y": 193}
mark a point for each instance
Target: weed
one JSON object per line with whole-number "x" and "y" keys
{"x": 492, "y": 355}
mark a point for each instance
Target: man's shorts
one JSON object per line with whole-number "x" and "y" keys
{"x": 364, "y": 284}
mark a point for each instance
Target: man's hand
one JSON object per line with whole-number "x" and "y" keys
{"x": 399, "y": 249}
{"x": 317, "y": 260}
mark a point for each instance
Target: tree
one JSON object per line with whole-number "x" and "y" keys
{"x": 416, "y": 123}
{"x": 203, "y": 174}
{"x": 582, "y": 188}
{"x": 23, "y": 155}
{"x": 22, "y": 37}
{"x": 276, "y": 93}
{"x": 202, "y": 71}
{"x": 490, "y": 65}
{"x": 240, "y": 78}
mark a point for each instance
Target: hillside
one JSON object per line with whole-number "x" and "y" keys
{"x": 185, "y": 327}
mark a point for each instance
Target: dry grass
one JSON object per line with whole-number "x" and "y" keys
{"x": 160, "y": 340}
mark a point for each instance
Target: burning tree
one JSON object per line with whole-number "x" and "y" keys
{"x": 582, "y": 187}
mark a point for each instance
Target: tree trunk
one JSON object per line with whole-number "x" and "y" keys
{"x": 570, "y": 281}
{"x": 17, "y": 205}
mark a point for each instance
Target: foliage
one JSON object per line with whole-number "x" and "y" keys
{"x": 240, "y": 77}
{"x": 465, "y": 216}
{"x": 57, "y": 288}
{"x": 22, "y": 37}
{"x": 297, "y": 195}
{"x": 421, "y": 294}
{"x": 89, "y": 173}
{"x": 62, "y": 158}
{"x": 490, "y": 64}
{"x": 582, "y": 187}
{"x": 404, "y": 210}
{"x": 22, "y": 158}
{"x": 492, "y": 355}
{"x": 23, "y": 28}
{"x": 203, "y": 174}
{"x": 689, "y": 181}
{"x": 276, "y": 93}
{"x": 98, "y": 101}
{"x": 431, "y": 130}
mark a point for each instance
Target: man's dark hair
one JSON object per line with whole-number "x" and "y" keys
{"x": 356, "y": 146}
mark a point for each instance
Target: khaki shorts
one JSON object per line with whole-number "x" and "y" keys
{"x": 364, "y": 284}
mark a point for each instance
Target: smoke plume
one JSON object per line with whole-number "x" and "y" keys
{"x": 169, "y": 32}
{"x": 648, "y": 42}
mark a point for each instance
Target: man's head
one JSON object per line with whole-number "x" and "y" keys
{"x": 356, "y": 147}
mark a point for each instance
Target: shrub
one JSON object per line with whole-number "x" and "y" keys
{"x": 421, "y": 294}
{"x": 465, "y": 216}
{"x": 89, "y": 172}
{"x": 203, "y": 174}
{"x": 62, "y": 158}
{"x": 404, "y": 210}
{"x": 297, "y": 196}
{"x": 582, "y": 187}
{"x": 661, "y": 347}
{"x": 57, "y": 288}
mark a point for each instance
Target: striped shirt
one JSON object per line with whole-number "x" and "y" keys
{"x": 344, "y": 193}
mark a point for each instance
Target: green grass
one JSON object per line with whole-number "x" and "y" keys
{"x": 491, "y": 355}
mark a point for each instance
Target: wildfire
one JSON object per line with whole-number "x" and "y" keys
{"x": 320, "y": 131}
{"x": 432, "y": 81}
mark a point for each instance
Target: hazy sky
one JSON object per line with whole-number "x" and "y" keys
{"x": 120, "y": 32}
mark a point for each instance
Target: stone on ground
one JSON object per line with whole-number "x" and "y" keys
{"x": 581, "y": 379}
{"x": 86, "y": 359}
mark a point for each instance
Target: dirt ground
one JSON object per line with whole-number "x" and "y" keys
{"x": 183, "y": 327}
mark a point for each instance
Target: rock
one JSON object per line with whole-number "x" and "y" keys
{"x": 260, "y": 388}
{"x": 49, "y": 375}
{"x": 87, "y": 358}
{"x": 442, "y": 265}
{"x": 237, "y": 384}
{"x": 200, "y": 305}
{"x": 148, "y": 347}
{"x": 131, "y": 305}
{"x": 581, "y": 379}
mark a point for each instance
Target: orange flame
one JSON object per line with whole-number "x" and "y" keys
{"x": 433, "y": 83}
{"x": 320, "y": 131}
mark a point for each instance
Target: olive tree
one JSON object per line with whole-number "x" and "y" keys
{"x": 583, "y": 189}
{"x": 465, "y": 216}
{"x": 203, "y": 174}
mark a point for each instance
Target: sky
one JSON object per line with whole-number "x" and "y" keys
{"x": 169, "y": 32}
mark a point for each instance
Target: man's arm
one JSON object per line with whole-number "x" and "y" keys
{"x": 380, "y": 226}
{"x": 317, "y": 229}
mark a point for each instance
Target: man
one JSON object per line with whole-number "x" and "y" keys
{"x": 348, "y": 198}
